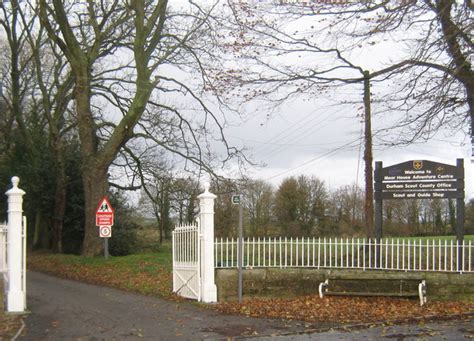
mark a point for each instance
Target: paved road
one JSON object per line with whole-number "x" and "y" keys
{"x": 440, "y": 330}
{"x": 68, "y": 310}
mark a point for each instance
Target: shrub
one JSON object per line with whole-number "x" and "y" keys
{"x": 124, "y": 232}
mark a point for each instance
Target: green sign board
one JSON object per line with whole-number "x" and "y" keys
{"x": 419, "y": 179}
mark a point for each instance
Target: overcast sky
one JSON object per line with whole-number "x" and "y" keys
{"x": 322, "y": 139}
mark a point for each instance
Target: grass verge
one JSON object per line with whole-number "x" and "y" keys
{"x": 147, "y": 273}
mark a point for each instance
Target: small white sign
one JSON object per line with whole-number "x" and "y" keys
{"x": 105, "y": 231}
{"x": 236, "y": 199}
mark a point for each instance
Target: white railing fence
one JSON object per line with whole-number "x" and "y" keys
{"x": 356, "y": 253}
{"x": 23, "y": 258}
{"x": 3, "y": 249}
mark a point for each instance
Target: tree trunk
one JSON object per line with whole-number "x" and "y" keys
{"x": 452, "y": 216}
{"x": 59, "y": 211}
{"x": 41, "y": 240}
{"x": 94, "y": 166}
{"x": 181, "y": 212}
{"x": 461, "y": 61}
{"x": 161, "y": 231}
{"x": 37, "y": 230}
{"x": 190, "y": 216}
{"x": 95, "y": 187}
{"x": 59, "y": 198}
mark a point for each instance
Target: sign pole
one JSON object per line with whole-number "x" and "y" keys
{"x": 460, "y": 216}
{"x": 241, "y": 233}
{"x": 378, "y": 201}
{"x": 460, "y": 206}
{"x": 106, "y": 248}
{"x": 236, "y": 200}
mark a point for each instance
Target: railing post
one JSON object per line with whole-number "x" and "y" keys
{"x": 206, "y": 216}
{"x": 16, "y": 295}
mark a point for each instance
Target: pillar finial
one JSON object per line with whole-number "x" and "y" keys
{"x": 15, "y": 181}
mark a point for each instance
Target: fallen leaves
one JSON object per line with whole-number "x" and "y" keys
{"x": 10, "y": 324}
{"x": 345, "y": 309}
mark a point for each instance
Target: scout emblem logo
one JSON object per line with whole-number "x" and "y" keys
{"x": 417, "y": 164}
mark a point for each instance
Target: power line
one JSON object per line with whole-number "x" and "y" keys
{"x": 290, "y": 139}
{"x": 312, "y": 160}
{"x": 286, "y": 144}
{"x": 304, "y": 134}
{"x": 287, "y": 132}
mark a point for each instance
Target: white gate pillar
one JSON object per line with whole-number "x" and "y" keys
{"x": 16, "y": 301}
{"x": 206, "y": 218}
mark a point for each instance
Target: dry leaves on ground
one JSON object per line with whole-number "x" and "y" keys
{"x": 149, "y": 275}
{"x": 10, "y": 324}
{"x": 345, "y": 309}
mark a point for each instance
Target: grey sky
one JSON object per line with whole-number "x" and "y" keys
{"x": 325, "y": 141}
{"x": 316, "y": 135}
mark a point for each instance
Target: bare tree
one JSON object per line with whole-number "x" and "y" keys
{"x": 39, "y": 87}
{"x": 169, "y": 197}
{"x": 226, "y": 214}
{"x": 127, "y": 58}
{"x": 258, "y": 203}
{"x": 307, "y": 48}
{"x": 431, "y": 67}
{"x": 346, "y": 208}
{"x": 184, "y": 199}
{"x": 300, "y": 205}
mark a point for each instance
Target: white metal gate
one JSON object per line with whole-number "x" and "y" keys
{"x": 3, "y": 249}
{"x": 186, "y": 261}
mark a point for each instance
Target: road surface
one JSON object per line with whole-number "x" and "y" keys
{"x": 69, "y": 310}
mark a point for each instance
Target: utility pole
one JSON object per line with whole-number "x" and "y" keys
{"x": 368, "y": 158}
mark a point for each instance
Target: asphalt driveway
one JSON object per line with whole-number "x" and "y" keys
{"x": 69, "y": 310}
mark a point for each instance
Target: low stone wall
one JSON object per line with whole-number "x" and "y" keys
{"x": 299, "y": 281}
